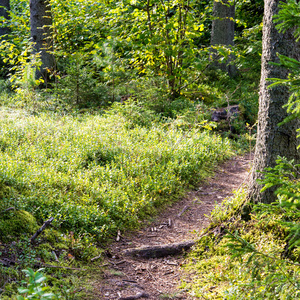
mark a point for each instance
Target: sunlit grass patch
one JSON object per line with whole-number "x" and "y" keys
{"x": 94, "y": 174}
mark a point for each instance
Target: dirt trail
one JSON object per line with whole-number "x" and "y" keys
{"x": 127, "y": 278}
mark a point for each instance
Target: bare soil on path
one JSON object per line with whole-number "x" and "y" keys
{"x": 127, "y": 278}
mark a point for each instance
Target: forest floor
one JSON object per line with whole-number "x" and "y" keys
{"x": 126, "y": 278}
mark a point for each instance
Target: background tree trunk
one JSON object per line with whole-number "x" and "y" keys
{"x": 222, "y": 32}
{"x": 4, "y": 13}
{"x": 273, "y": 140}
{"x": 41, "y": 34}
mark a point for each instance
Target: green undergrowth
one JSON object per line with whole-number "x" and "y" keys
{"x": 95, "y": 173}
{"x": 15, "y": 223}
{"x": 235, "y": 259}
{"x": 99, "y": 174}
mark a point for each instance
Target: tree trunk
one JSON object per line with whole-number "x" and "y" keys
{"x": 222, "y": 32}
{"x": 273, "y": 140}
{"x": 4, "y": 13}
{"x": 41, "y": 35}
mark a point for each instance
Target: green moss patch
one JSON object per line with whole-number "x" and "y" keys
{"x": 15, "y": 224}
{"x": 96, "y": 174}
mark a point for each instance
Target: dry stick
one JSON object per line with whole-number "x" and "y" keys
{"x": 41, "y": 229}
{"x": 8, "y": 209}
{"x": 118, "y": 262}
{"x": 183, "y": 210}
{"x": 172, "y": 263}
{"x": 118, "y": 236}
{"x": 104, "y": 265}
{"x": 130, "y": 281}
{"x": 96, "y": 257}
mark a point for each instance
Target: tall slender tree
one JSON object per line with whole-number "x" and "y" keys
{"x": 4, "y": 29}
{"x": 273, "y": 140}
{"x": 222, "y": 32}
{"x": 4, "y": 12}
{"x": 41, "y": 35}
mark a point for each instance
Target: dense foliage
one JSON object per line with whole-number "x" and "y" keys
{"x": 258, "y": 259}
{"x": 98, "y": 174}
{"x": 105, "y": 51}
{"x": 122, "y": 129}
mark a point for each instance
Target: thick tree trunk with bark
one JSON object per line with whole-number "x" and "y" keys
{"x": 4, "y": 13}
{"x": 222, "y": 32}
{"x": 272, "y": 139}
{"x": 41, "y": 34}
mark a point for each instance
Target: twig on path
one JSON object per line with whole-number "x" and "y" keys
{"x": 117, "y": 263}
{"x": 95, "y": 258}
{"x": 152, "y": 235}
{"x": 104, "y": 265}
{"x": 183, "y": 210}
{"x": 169, "y": 272}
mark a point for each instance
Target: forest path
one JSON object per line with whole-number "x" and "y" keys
{"x": 127, "y": 278}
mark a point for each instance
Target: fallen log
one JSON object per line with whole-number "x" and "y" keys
{"x": 159, "y": 251}
{"x": 137, "y": 296}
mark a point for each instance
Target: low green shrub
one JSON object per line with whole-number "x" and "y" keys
{"x": 99, "y": 174}
{"x": 35, "y": 287}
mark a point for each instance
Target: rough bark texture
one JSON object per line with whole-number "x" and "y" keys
{"x": 273, "y": 140}
{"x": 160, "y": 251}
{"x": 222, "y": 32}
{"x": 4, "y": 13}
{"x": 41, "y": 35}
